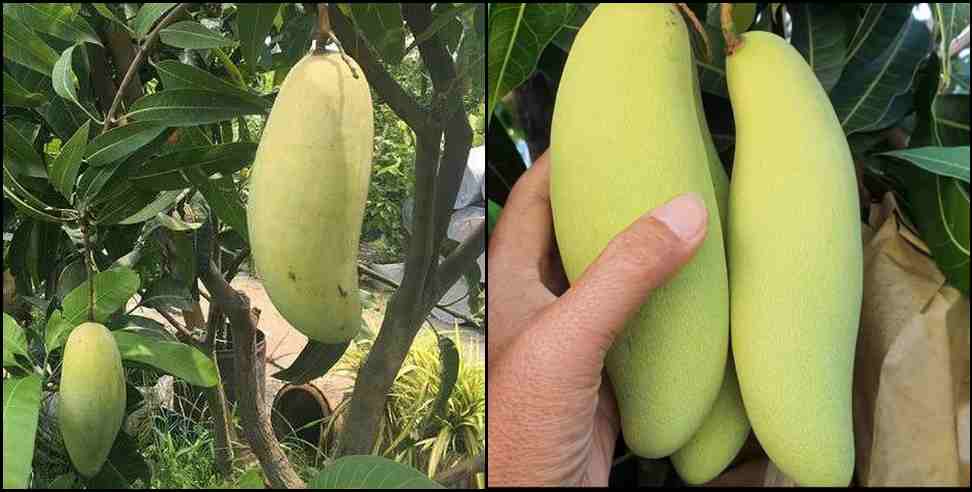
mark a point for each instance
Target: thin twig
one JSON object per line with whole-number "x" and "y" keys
{"x": 729, "y": 29}
{"x": 698, "y": 27}
{"x": 137, "y": 62}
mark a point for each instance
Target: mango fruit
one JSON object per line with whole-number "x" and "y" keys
{"x": 91, "y": 405}
{"x": 308, "y": 193}
{"x": 796, "y": 262}
{"x": 626, "y": 139}
{"x": 724, "y": 432}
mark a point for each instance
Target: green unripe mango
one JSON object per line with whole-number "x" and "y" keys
{"x": 626, "y": 139}
{"x": 796, "y": 262}
{"x": 719, "y": 439}
{"x": 308, "y": 193}
{"x": 91, "y": 405}
{"x": 726, "y": 428}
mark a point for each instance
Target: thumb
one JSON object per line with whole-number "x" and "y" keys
{"x": 637, "y": 261}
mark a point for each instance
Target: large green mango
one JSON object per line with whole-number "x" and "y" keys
{"x": 626, "y": 139}
{"x": 796, "y": 262}
{"x": 308, "y": 193}
{"x": 91, "y": 405}
{"x": 725, "y": 430}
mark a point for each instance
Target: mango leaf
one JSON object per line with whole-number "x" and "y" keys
{"x": 296, "y": 37}
{"x": 64, "y": 169}
{"x": 93, "y": 180}
{"x": 163, "y": 202}
{"x": 64, "y": 80}
{"x": 449, "y": 365}
{"x": 58, "y": 20}
{"x": 492, "y": 217}
{"x": 880, "y": 25}
{"x": 19, "y": 154}
{"x": 14, "y": 342}
{"x": 313, "y": 362}
{"x": 15, "y": 94}
{"x": 112, "y": 290}
{"x": 382, "y": 25}
{"x": 167, "y": 172}
{"x": 63, "y": 116}
{"x": 22, "y": 45}
{"x": 950, "y": 162}
{"x": 518, "y": 34}
{"x": 579, "y": 15}
{"x": 445, "y": 24}
{"x": 148, "y": 15}
{"x": 192, "y": 107}
{"x": 118, "y": 143}
{"x": 371, "y": 472}
{"x": 254, "y": 21}
{"x": 193, "y": 35}
{"x": 121, "y": 203}
{"x": 176, "y": 75}
{"x": 224, "y": 198}
{"x": 57, "y": 330}
{"x": 106, "y": 12}
{"x": 820, "y": 35}
{"x": 940, "y": 207}
{"x": 29, "y": 204}
{"x": 21, "y": 410}
{"x": 175, "y": 358}
{"x": 865, "y": 95}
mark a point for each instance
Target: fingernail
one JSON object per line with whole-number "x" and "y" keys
{"x": 685, "y": 216}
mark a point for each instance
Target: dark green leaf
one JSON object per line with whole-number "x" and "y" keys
{"x": 176, "y": 75}
{"x": 148, "y": 15}
{"x": 192, "y": 107}
{"x": 193, "y": 35}
{"x": 224, "y": 198}
{"x": 23, "y": 46}
{"x": 313, "y": 362}
{"x": 950, "y": 162}
{"x": 19, "y": 154}
{"x": 820, "y": 35}
{"x": 254, "y": 21}
{"x": 58, "y": 20}
{"x": 167, "y": 172}
{"x": 518, "y": 34}
{"x": 382, "y": 25}
{"x": 118, "y": 143}
{"x": 64, "y": 169}
{"x": 14, "y": 94}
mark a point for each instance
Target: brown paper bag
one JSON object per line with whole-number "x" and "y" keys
{"x": 912, "y": 369}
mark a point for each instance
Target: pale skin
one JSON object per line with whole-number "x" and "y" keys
{"x": 552, "y": 417}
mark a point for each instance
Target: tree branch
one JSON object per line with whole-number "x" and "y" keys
{"x": 457, "y": 264}
{"x": 253, "y": 410}
{"x": 463, "y": 470}
{"x": 458, "y": 132}
{"x": 403, "y": 104}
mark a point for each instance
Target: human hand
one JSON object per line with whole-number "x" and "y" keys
{"x": 553, "y": 419}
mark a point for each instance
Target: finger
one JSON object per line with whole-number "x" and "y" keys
{"x": 636, "y": 262}
{"x": 524, "y": 234}
{"x": 521, "y": 256}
